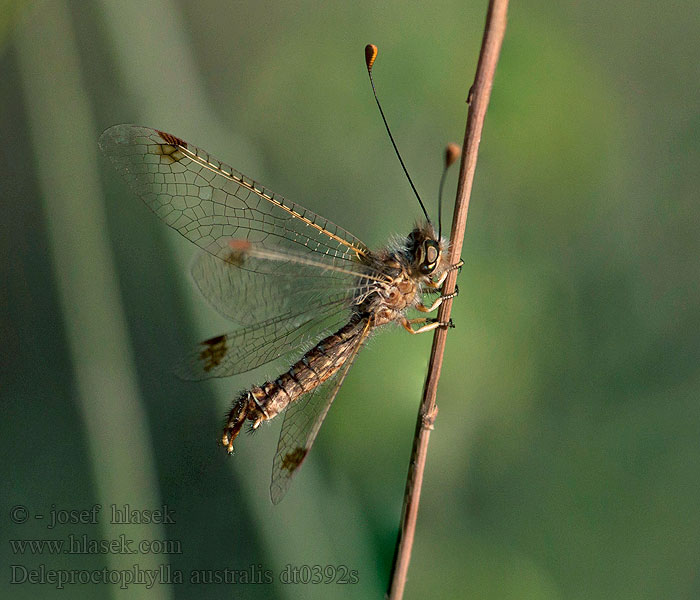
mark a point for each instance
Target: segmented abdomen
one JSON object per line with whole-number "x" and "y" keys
{"x": 316, "y": 366}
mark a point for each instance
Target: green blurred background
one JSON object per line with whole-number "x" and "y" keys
{"x": 565, "y": 458}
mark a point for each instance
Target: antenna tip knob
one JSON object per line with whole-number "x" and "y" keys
{"x": 452, "y": 153}
{"x": 370, "y": 55}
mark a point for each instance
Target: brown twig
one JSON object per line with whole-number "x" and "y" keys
{"x": 478, "y": 99}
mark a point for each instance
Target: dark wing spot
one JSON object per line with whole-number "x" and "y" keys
{"x": 292, "y": 460}
{"x": 172, "y": 140}
{"x": 170, "y": 151}
{"x": 235, "y": 258}
{"x": 214, "y": 351}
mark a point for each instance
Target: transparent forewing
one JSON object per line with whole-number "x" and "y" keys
{"x": 252, "y": 290}
{"x": 302, "y": 421}
{"x": 210, "y": 203}
{"x": 285, "y": 336}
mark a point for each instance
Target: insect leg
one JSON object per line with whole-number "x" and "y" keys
{"x": 441, "y": 279}
{"x": 458, "y": 265}
{"x": 426, "y": 309}
{"x": 430, "y": 325}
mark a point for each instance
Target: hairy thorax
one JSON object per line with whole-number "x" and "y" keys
{"x": 388, "y": 302}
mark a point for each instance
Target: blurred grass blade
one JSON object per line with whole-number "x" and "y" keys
{"x": 64, "y": 137}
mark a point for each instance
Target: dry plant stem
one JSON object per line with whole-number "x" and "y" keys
{"x": 479, "y": 95}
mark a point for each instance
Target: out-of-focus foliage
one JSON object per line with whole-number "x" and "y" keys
{"x": 564, "y": 462}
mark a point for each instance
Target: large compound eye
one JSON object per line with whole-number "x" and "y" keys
{"x": 431, "y": 254}
{"x": 420, "y": 255}
{"x": 429, "y": 257}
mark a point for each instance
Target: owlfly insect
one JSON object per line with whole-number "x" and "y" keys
{"x": 289, "y": 278}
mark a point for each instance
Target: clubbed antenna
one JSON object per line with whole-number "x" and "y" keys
{"x": 452, "y": 152}
{"x": 370, "y": 56}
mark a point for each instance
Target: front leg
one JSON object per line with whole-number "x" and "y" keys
{"x": 437, "y": 284}
{"x": 426, "y": 309}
